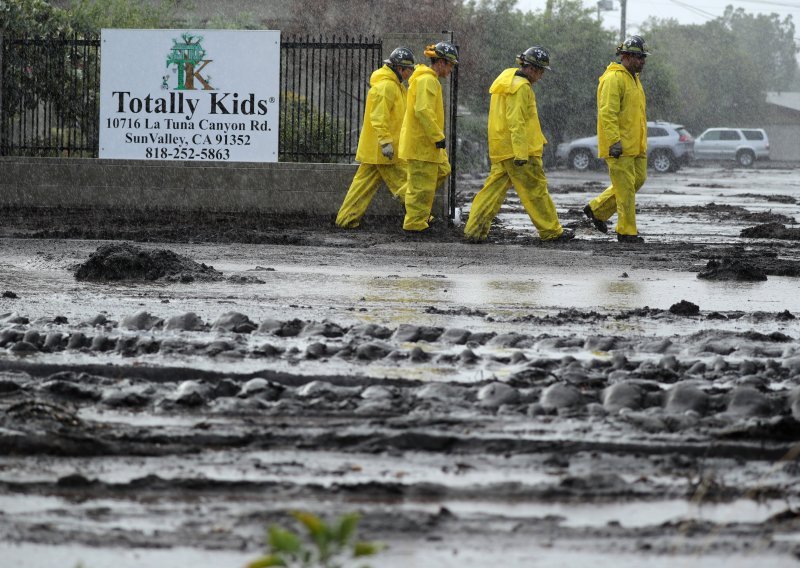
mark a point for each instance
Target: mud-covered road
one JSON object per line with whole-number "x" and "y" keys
{"x": 171, "y": 385}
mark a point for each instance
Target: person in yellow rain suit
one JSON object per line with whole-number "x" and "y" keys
{"x": 422, "y": 139}
{"x": 515, "y": 151}
{"x": 379, "y": 139}
{"x": 621, "y": 140}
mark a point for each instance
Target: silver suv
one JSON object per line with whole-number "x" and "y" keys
{"x": 745, "y": 145}
{"x": 668, "y": 146}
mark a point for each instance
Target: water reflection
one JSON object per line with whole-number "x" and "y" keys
{"x": 621, "y": 294}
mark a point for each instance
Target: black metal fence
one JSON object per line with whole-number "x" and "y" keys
{"x": 324, "y": 86}
{"x": 50, "y": 90}
{"x": 50, "y": 96}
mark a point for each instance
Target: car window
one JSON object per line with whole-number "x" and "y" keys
{"x": 653, "y": 131}
{"x": 712, "y": 135}
{"x": 729, "y": 135}
{"x": 753, "y": 134}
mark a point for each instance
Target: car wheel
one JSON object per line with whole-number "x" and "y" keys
{"x": 663, "y": 162}
{"x": 581, "y": 160}
{"x": 745, "y": 158}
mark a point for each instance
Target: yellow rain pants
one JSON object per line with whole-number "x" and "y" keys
{"x": 628, "y": 175}
{"x": 531, "y": 185}
{"x": 383, "y": 119}
{"x": 363, "y": 187}
{"x": 423, "y": 127}
{"x": 423, "y": 180}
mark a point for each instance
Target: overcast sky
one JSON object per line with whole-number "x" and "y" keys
{"x": 685, "y": 11}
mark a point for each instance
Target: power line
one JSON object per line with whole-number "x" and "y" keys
{"x": 784, "y": 4}
{"x": 695, "y": 10}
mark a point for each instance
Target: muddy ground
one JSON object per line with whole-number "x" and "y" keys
{"x": 170, "y": 385}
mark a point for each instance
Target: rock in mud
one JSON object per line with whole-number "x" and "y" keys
{"x": 188, "y": 321}
{"x": 325, "y": 329}
{"x": 771, "y": 231}
{"x": 378, "y": 392}
{"x": 622, "y": 395}
{"x": 141, "y": 321}
{"x": 124, "y": 261}
{"x": 455, "y": 336}
{"x": 9, "y": 336}
{"x": 316, "y": 350}
{"x": 53, "y": 342}
{"x": 128, "y": 397}
{"x": 77, "y": 340}
{"x": 373, "y": 350}
{"x": 794, "y": 403}
{"x": 370, "y": 330}
{"x": 497, "y": 394}
{"x": 191, "y": 393}
{"x": 261, "y": 388}
{"x": 684, "y": 397}
{"x": 235, "y": 322}
{"x": 561, "y": 395}
{"x": 442, "y": 392}
{"x": 102, "y": 343}
{"x": 290, "y": 328}
{"x": 685, "y": 308}
{"x": 267, "y": 350}
{"x": 505, "y": 340}
{"x": 468, "y": 356}
{"x": 316, "y": 389}
{"x": 34, "y": 337}
{"x": 70, "y": 390}
{"x": 13, "y": 318}
{"x": 747, "y": 401}
{"x": 23, "y": 347}
{"x": 732, "y": 268}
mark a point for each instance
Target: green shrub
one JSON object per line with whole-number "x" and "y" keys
{"x": 323, "y": 545}
{"x": 312, "y": 135}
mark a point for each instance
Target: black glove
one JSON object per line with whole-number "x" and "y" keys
{"x": 615, "y": 151}
{"x": 442, "y": 143}
{"x": 520, "y": 162}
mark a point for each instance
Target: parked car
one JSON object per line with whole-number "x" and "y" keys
{"x": 668, "y": 146}
{"x": 745, "y": 145}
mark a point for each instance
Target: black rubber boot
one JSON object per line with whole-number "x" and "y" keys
{"x": 601, "y": 226}
{"x": 633, "y": 239}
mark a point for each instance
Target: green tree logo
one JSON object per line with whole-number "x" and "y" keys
{"x": 188, "y": 56}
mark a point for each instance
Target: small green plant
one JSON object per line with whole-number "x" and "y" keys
{"x": 325, "y": 545}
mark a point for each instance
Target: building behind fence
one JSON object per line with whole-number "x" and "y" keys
{"x": 49, "y": 96}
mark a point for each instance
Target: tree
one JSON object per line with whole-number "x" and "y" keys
{"x": 716, "y": 81}
{"x": 770, "y": 41}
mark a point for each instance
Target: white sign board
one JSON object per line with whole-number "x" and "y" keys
{"x": 206, "y": 95}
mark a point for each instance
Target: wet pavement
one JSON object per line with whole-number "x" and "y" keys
{"x": 573, "y": 403}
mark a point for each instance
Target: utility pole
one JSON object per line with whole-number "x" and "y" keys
{"x": 623, "y": 4}
{"x": 548, "y": 10}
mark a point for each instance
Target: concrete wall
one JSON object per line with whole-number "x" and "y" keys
{"x": 279, "y": 188}
{"x": 784, "y": 142}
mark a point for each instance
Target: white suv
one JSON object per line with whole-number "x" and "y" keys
{"x": 668, "y": 146}
{"x": 745, "y": 145}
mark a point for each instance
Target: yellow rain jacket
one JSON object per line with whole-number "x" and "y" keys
{"x": 423, "y": 125}
{"x": 514, "y": 129}
{"x": 383, "y": 116}
{"x": 621, "y": 112}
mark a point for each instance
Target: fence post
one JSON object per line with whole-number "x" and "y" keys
{"x": 2, "y": 114}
